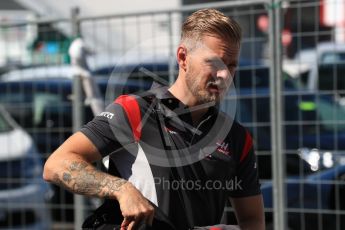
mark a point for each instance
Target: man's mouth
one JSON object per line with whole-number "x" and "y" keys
{"x": 214, "y": 87}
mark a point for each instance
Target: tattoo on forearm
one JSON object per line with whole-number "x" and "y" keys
{"x": 83, "y": 178}
{"x": 77, "y": 166}
{"x": 66, "y": 177}
{"x": 57, "y": 180}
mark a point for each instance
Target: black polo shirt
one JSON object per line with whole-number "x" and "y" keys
{"x": 188, "y": 170}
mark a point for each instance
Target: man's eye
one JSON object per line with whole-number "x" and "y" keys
{"x": 232, "y": 67}
{"x": 213, "y": 66}
{"x": 219, "y": 65}
{"x": 210, "y": 62}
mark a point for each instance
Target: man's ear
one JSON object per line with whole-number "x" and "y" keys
{"x": 182, "y": 57}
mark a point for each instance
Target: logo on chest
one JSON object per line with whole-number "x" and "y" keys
{"x": 223, "y": 147}
{"x": 170, "y": 131}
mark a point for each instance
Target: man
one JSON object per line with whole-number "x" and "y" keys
{"x": 185, "y": 152}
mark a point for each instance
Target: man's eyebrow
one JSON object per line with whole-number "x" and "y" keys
{"x": 230, "y": 60}
{"x": 219, "y": 62}
{"x": 215, "y": 60}
{"x": 212, "y": 59}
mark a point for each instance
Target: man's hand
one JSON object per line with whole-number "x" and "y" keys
{"x": 135, "y": 208}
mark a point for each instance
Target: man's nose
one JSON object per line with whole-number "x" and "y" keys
{"x": 223, "y": 73}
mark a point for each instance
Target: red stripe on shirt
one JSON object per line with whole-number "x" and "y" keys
{"x": 131, "y": 107}
{"x": 247, "y": 146}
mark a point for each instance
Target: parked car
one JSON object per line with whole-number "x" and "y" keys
{"x": 314, "y": 144}
{"x": 310, "y": 121}
{"x": 314, "y": 137}
{"x": 23, "y": 193}
{"x": 39, "y": 73}
{"x": 312, "y": 202}
{"x": 43, "y": 106}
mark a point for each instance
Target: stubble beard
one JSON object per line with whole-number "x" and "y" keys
{"x": 202, "y": 95}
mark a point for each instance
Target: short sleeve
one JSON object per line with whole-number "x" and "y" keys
{"x": 246, "y": 177}
{"x": 110, "y": 130}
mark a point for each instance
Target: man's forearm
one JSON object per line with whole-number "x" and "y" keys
{"x": 83, "y": 178}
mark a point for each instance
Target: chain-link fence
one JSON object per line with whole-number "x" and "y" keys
{"x": 289, "y": 94}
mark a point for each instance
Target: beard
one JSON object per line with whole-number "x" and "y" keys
{"x": 201, "y": 92}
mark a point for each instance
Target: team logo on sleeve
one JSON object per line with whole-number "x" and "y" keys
{"x": 107, "y": 115}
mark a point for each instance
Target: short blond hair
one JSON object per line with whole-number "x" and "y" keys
{"x": 210, "y": 22}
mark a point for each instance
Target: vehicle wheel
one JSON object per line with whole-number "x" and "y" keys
{"x": 342, "y": 201}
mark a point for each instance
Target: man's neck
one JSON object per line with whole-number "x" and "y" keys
{"x": 178, "y": 90}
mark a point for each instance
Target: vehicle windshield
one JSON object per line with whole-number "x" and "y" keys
{"x": 332, "y": 57}
{"x": 258, "y": 78}
{"x": 331, "y": 77}
{"x": 331, "y": 116}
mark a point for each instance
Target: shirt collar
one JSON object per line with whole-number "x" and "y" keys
{"x": 162, "y": 93}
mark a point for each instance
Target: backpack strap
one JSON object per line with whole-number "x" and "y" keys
{"x": 131, "y": 106}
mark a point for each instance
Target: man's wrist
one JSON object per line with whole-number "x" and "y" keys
{"x": 122, "y": 186}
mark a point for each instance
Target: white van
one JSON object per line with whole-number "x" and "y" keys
{"x": 320, "y": 69}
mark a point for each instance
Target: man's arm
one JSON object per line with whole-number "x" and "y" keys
{"x": 249, "y": 212}
{"x": 70, "y": 166}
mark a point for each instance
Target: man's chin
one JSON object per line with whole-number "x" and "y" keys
{"x": 210, "y": 99}
{"x": 215, "y": 97}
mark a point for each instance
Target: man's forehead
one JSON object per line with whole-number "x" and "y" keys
{"x": 217, "y": 44}
{"x": 225, "y": 54}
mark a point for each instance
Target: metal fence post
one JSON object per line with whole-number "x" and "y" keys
{"x": 278, "y": 169}
{"x": 171, "y": 59}
{"x": 78, "y": 121}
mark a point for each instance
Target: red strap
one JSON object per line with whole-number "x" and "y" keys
{"x": 247, "y": 146}
{"x": 132, "y": 109}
